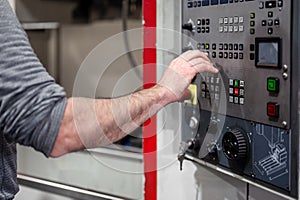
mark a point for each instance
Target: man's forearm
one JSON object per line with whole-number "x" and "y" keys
{"x": 92, "y": 123}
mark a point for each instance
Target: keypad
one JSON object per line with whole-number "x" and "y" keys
{"x": 231, "y": 24}
{"x": 229, "y": 51}
{"x": 210, "y": 88}
{"x": 203, "y": 25}
{"x": 236, "y": 91}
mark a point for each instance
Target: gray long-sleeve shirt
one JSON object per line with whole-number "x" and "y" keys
{"x": 31, "y": 104}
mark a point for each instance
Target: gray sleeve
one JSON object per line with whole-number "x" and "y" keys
{"x": 31, "y": 103}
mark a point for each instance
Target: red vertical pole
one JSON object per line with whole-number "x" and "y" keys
{"x": 149, "y": 74}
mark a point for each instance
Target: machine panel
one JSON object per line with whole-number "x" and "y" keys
{"x": 241, "y": 117}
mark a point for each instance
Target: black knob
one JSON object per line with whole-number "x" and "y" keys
{"x": 188, "y": 26}
{"x": 234, "y": 144}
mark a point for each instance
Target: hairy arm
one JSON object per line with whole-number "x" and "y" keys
{"x": 89, "y": 123}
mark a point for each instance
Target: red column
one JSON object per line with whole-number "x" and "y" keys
{"x": 149, "y": 79}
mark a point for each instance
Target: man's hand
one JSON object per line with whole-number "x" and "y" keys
{"x": 181, "y": 72}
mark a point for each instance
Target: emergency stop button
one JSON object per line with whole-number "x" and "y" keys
{"x": 273, "y": 110}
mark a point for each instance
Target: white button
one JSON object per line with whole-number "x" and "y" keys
{"x": 217, "y": 80}
{"x": 212, "y": 88}
{"x": 212, "y": 79}
{"x": 221, "y": 20}
{"x": 242, "y": 92}
{"x": 231, "y": 82}
{"x": 236, "y": 28}
{"x": 225, "y": 20}
{"x": 230, "y": 19}
{"x": 230, "y": 90}
{"x": 242, "y": 83}
{"x": 207, "y": 79}
{"x": 236, "y": 100}
{"x": 217, "y": 96}
{"x": 225, "y": 29}
{"x": 221, "y": 29}
{"x": 230, "y": 28}
{"x": 231, "y": 99}
{"x": 242, "y": 101}
{"x": 217, "y": 88}
{"x": 241, "y": 28}
{"x": 241, "y": 19}
{"x": 236, "y": 20}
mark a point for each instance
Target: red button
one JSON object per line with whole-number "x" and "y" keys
{"x": 236, "y": 91}
{"x": 273, "y": 110}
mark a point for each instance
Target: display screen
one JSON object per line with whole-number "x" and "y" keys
{"x": 268, "y": 53}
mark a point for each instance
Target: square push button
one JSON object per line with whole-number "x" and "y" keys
{"x": 273, "y": 84}
{"x": 273, "y": 110}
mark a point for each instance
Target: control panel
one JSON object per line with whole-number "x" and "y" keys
{"x": 241, "y": 118}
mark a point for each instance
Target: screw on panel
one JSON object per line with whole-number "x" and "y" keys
{"x": 285, "y": 75}
{"x": 284, "y": 123}
{"x": 285, "y": 68}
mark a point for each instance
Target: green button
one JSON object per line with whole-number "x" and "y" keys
{"x": 273, "y": 84}
{"x": 236, "y": 83}
{"x": 252, "y": 15}
{"x": 252, "y": 23}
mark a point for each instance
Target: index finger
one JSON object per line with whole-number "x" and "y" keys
{"x": 192, "y": 54}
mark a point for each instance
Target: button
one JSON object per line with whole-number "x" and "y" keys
{"x": 270, "y": 14}
{"x": 242, "y": 92}
{"x": 241, "y": 19}
{"x": 212, "y": 88}
{"x": 214, "y": 2}
{"x": 241, "y": 56}
{"x": 195, "y": 4}
{"x": 235, "y": 19}
{"x": 252, "y": 23}
{"x": 242, "y": 84}
{"x": 242, "y": 101}
{"x": 217, "y": 80}
{"x": 207, "y": 21}
{"x": 212, "y": 80}
{"x": 203, "y": 21}
{"x": 203, "y": 29}
{"x": 217, "y": 96}
{"x": 221, "y": 20}
{"x": 261, "y": 5}
{"x": 230, "y": 46}
{"x": 199, "y": 30}
{"x": 270, "y": 4}
{"x": 221, "y": 29}
{"x": 270, "y": 22}
{"x": 223, "y": 1}
{"x": 280, "y": 3}
{"x": 199, "y": 3}
{"x": 241, "y": 47}
{"x": 206, "y": 46}
{"x": 217, "y": 88}
{"x": 236, "y": 28}
{"x": 203, "y": 94}
{"x": 236, "y": 55}
{"x": 236, "y": 91}
{"x": 199, "y": 46}
{"x": 225, "y": 29}
{"x": 190, "y": 4}
{"x": 230, "y": 82}
{"x": 213, "y": 54}
{"x": 207, "y": 29}
{"x": 276, "y": 22}
{"x": 230, "y": 99}
{"x": 221, "y": 54}
{"x": 236, "y": 100}
{"x": 231, "y": 90}
{"x": 230, "y": 55}
{"x": 241, "y": 28}
{"x": 230, "y": 29}
{"x": 236, "y": 83}
{"x": 252, "y": 31}
{"x": 203, "y": 46}
{"x": 270, "y": 31}
{"x": 225, "y": 55}
{"x": 214, "y": 46}
{"x": 273, "y": 85}
{"x": 205, "y": 2}
{"x": 264, "y": 22}
{"x": 230, "y": 1}
{"x": 252, "y": 15}
{"x": 221, "y": 46}
{"x": 225, "y": 46}
{"x": 203, "y": 86}
{"x": 252, "y": 56}
{"x": 273, "y": 109}
{"x": 230, "y": 20}
{"x": 225, "y": 20}
{"x": 198, "y": 21}
{"x": 235, "y": 47}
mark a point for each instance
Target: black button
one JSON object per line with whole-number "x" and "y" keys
{"x": 198, "y": 29}
{"x": 280, "y": 3}
{"x": 252, "y": 23}
{"x": 270, "y": 22}
{"x": 276, "y": 22}
{"x": 225, "y": 46}
{"x": 199, "y": 22}
{"x": 236, "y": 55}
{"x": 213, "y": 54}
{"x": 207, "y": 21}
{"x": 203, "y": 46}
{"x": 252, "y": 56}
{"x": 230, "y": 46}
{"x": 214, "y": 46}
{"x": 214, "y": 2}
{"x": 230, "y": 55}
{"x": 270, "y": 4}
{"x": 252, "y": 47}
{"x": 223, "y": 1}
{"x": 236, "y": 0}
{"x": 230, "y": 1}
{"x": 270, "y": 14}
{"x": 203, "y": 22}
{"x": 199, "y": 3}
{"x": 252, "y": 31}
{"x": 190, "y": 4}
{"x": 199, "y": 46}
{"x": 261, "y": 5}
{"x": 207, "y": 29}
{"x": 221, "y": 46}
{"x": 203, "y": 29}
{"x": 195, "y": 4}
{"x": 221, "y": 54}
{"x": 225, "y": 55}
{"x": 270, "y": 31}
{"x": 264, "y": 22}
{"x": 241, "y": 47}
{"x": 236, "y": 47}
{"x": 241, "y": 56}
